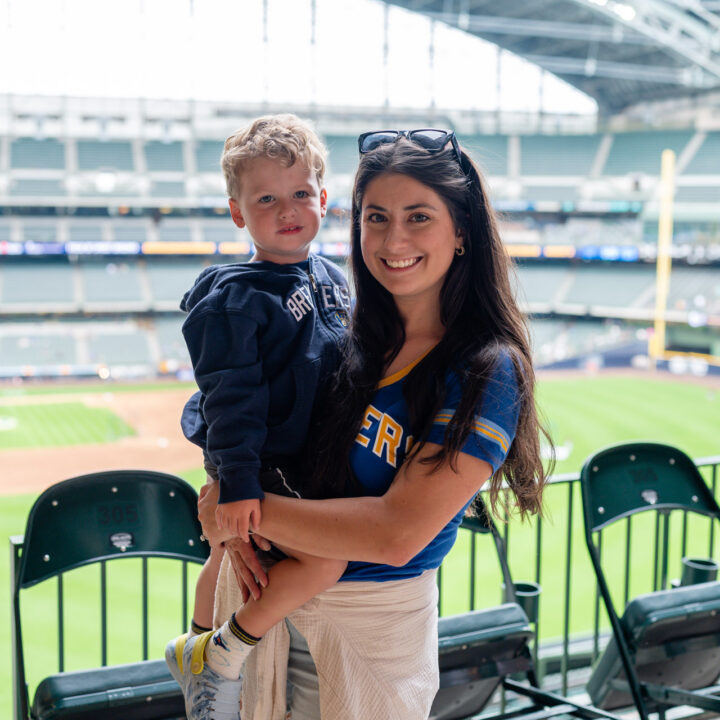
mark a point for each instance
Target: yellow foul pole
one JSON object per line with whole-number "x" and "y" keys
{"x": 662, "y": 274}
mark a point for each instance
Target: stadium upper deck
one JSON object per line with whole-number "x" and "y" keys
{"x": 569, "y": 192}
{"x": 108, "y": 215}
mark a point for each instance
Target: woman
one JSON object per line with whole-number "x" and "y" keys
{"x": 434, "y": 397}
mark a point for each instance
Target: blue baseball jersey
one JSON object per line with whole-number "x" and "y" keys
{"x": 384, "y": 440}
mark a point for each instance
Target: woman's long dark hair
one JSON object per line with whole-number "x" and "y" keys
{"x": 482, "y": 324}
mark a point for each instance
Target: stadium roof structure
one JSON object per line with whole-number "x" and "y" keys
{"x": 620, "y": 53}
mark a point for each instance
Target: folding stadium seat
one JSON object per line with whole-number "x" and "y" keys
{"x": 486, "y": 650}
{"x": 665, "y": 648}
{"x": 104, "y": 518}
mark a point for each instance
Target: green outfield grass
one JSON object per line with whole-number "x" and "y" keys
{"x": 583, "y": 414}
{"x": 55, "y": 424}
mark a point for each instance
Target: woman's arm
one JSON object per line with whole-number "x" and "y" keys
{"x": 390, "y": 529}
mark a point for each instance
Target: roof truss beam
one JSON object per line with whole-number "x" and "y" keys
{"x": 622, "y": 71}
{"x": 669, "y": 25}
{"x": 615, "y": 33}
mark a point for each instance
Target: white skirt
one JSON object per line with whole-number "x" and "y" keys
{"x": 374, "y": 645}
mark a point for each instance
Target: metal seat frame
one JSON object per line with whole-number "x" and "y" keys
{"x": 97, "y": 518}
{"x": 617, "y": 483}
{"x": 467, "y": 635}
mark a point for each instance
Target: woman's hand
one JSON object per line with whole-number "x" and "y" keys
{"x": 207, "y": 502}
{"x": 247, "y": 568}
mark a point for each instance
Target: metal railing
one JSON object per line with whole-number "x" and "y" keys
{"x": 534, "y": 553}
{"x": 577, "y": 644}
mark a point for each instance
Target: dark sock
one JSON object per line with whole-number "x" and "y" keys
{"x": 196, "y": 629}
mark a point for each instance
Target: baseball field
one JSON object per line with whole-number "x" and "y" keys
{"x": 49, "y": 433}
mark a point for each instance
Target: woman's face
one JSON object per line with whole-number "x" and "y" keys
{"x": 408, "y": 238}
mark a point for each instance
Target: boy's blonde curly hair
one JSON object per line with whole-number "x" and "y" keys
{"x": 285, "y": 137}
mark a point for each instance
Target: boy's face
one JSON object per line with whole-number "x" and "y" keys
{"x": 281, "y": 208}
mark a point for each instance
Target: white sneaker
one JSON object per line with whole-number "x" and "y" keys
{"x": 173, "y": 658}
{"x": 208, "y": 695}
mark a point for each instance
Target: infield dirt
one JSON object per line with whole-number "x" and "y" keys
{"x": 157, "y": 445}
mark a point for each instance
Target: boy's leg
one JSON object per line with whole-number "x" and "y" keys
{"x": 207, "y": 580}
{"x": 205, "y": 592}
{"x": 291, "y": 583}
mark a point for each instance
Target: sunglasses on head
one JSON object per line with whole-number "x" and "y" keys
{"x": 430, "y": 139}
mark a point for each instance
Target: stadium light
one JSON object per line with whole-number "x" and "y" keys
{"x": 626, "y": 12}
{"x": 105, "y": 182}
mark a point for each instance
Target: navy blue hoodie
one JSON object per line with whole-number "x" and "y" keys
{"x": 262, "y": 338}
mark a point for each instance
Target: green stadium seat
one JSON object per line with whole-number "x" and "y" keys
{"x": 85, "y": 232}
{"x": 220, "y": 231}
{"x": 103, "y": 518}
{"x": 37, "y": 187}
{"x": 540, "y": 283}
{"x": 37, "y": 349}
{"x": 129, "y": 231}
{"x": 170, "y": 338}
{"x": 164, "y": 157}
{"x": 640, "y": 152}
{"x": 37, "y": 281}
{"x": 170, "y": 279}
{"x": 596, "y": 287}
{"x": 343, "y": 154}
{"x": 108, "y": 155}
{"x": 207, "y": 155}
{"x": 111, "y": 282}
{"x": 665, "y": 649}
{"x": 483, "y": 651}
{"x": 558, "y": 154}
{"x": 706, "y": 160}
{"x": 119, "y": 348}
{"x": 174, "y": 232}
{"x": 32, "y": 154}
{"x": 488, "y": 151}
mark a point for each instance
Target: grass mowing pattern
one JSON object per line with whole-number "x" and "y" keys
{"x": 55, "y": 424}
{"x": 589, "y": 413}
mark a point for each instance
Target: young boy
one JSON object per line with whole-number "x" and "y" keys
{"x": 262, "y": 337}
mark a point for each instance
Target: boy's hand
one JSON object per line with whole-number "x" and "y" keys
{"x": 238, "y": 517}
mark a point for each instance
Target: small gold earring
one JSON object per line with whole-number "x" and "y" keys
{"x": 460, "y": 251}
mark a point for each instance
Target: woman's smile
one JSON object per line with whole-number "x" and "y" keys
{"x": 401, "y": 264}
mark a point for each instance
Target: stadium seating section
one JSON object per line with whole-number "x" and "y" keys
{"x": 37, "y": 187}
{"x": 706, "y": 160}
{"x": 113, "y": 284}
{"x": 207, "y": 155}
{"x": 110, "y": 155}
{"x": 558, "y": 154}
{"x": 164, "y": 157}
{"x": 489, "y": 151}
{"x": 139, "y": 320}
{"x": 621, "y": 288}
{"x": 567, "y": 164}
{"x": 28, "y": 153}
{"x": 122, "y": 310}
{"x": 640, "y": 152}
